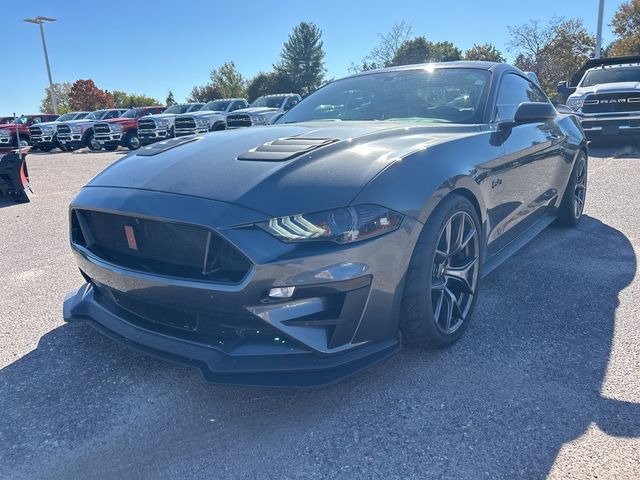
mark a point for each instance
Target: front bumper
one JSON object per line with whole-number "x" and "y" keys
{"x": 5, "y": 141}
{"x": 73, "y": 140}
{"x": 44, "y": 141}
{"x": 110, "y": 139}
{"x": 600, "y": 126}
{"x": 342, "y": 318}
{"x": 150, "y": 136}
{"x": 181, "y": 132}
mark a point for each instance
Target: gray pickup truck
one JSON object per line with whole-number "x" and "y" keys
{"x": 211, "y": 117}
{"x": 44, "y": 136}
{"x": 154, "y": 128}
{"x": 79, "y": 133}
{"x": 262, "y": 110}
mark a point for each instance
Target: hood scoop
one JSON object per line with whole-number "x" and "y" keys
{"x": 285, "y": 149}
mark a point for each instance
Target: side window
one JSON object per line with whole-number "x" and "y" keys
{"x": 110, "y": 115}
{"x": 514, "y": 90}
{"x": 237, "y": 105}
{"x": 36, "y": 120}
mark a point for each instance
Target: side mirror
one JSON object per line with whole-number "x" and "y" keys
{"x": 530, "y": 112}
{"x": 292, "y": 104}
{"x": 565, "y": 89}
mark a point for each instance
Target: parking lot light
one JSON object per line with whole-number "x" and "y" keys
{"x": 39, "y": 21}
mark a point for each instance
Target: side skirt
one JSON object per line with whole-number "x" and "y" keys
{"x": 510, "y": 249}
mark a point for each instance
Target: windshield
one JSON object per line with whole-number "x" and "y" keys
{"x": 81, "y": 115}
{"x": 611, "y": 75}
{"x": 440, "y": 95}
{"x": 195, "y": 107}
{"x": 97, "y": 115}
{"x": 217, "y": 105}
{"x": 177, "y": 109}
{"x": 66, "y": 117}
{"x": 4, "y": 121}
{"x": 270, "y": 102}
{"x": 133, "y": 113}
{"x": 22, "y": 120}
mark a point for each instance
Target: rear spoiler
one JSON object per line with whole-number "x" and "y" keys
{"x": 568, "y": 87}
{"x": 14, "y": 175}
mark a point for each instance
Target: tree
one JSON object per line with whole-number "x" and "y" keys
{"x": 626, "y": 26}
{"x": 302, "y": 58}
{"x": 383, "y": 53}
{"x": 62, "y": 99}
{"x": 84, "y": 95}
{"x": 204, "y": 93}
{"x": 487, "y": 52}
{"x": 170, "y": 100}
{"x": 554, "y": 52}
{"x": 265, "y": 83}
{"x": 127, "y": 100}
{"x": 229, "y": 81}
{"x": 421, "y": 50}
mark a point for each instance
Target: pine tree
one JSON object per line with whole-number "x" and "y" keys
{"x": 302, "y": 58}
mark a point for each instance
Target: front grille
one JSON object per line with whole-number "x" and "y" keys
{"x": 64, "y": 128}
{"x": 146, "y": 124}
{"x": 239, "y": 120}
{"x": 101, "y": 128}
{"x": 612, "y": 103}
{"x": 35, "y": 131}
{"x": 185, "y": 123}
{"x": 188, "y": 323}
{"x": 159, "y": 247}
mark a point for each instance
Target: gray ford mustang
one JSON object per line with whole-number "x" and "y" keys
{"x": 300, "y": 252}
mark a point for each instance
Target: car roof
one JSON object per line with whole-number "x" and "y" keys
{"x": 615, "y": 65}
{"x": 477, "y": 64}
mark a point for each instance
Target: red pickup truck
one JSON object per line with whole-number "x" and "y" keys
{"x": 113, "y": 133}
{"x": 9, "y": 132}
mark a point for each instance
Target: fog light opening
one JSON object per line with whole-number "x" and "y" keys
{"x": 281, "y": 292}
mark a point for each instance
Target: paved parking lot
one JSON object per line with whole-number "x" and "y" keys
{"x": 545, "y": 382}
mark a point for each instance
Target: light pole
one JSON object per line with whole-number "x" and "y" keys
{"x": 40, "y": 21}
{"x": 599, "y": 31}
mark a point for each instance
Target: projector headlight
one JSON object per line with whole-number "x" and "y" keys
{"x": 115, "y": 127}
{"x": 5, "y": 133}
{"x": 48, "y": 130}
{"x": 575, "y": 103}
{"x": 341, "y": 225}
{"x": 76, "y": 129}
{"x": 162, "y": 123}
{"x": 258, "y": 119}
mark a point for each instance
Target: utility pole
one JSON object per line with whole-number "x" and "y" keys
{"x": 599, "y": 31}
{"x": 39, "y": 21}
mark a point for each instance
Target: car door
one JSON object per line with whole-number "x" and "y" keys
{"x": 520, "y": 189}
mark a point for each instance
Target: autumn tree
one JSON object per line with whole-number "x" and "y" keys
{"x": 84, "y": 95}
{"x": 486, "y": 52}
{"x": 626, "y": 26}
{"x": 62, "y": 99}
{"x": 421, "y": 50}
{"x": 382, "y": 54}
{"x": 554, "y": 51}
{"x": 302, "y": 58}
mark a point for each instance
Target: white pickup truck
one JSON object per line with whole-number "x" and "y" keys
{"x": 211, "y": 117}
{"x": 262, "y": 110}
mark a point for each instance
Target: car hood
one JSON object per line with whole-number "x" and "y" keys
{"x": 164, "y": 115}
{"x": 608, "y": 88}
{"x": 120, "y": 120}
{"x": 256, "y": 110}
{"x": 82, "y": 121}
{"x": 44, "y": 124}
{"x": 214, "y": 166}
{"x": 203, "y": 113}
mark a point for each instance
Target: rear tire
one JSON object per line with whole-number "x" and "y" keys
{"x": 45, "y": 149}
{"x": 572, "y": 205}
{"x": 441, "y": 284}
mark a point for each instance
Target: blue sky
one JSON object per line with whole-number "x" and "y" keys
{"x": 144, "y": 46}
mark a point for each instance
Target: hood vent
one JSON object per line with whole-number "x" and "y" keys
{"x": 285, "y": 149}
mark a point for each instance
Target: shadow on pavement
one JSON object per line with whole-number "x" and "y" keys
{"x": 525, "y": 380}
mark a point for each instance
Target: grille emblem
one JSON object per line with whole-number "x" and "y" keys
{"x": 131, "y": 237}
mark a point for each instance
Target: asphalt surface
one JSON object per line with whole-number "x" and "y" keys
{"x": 545, "y": 381}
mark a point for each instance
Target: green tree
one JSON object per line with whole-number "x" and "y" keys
{"x": 62, "y": 99}
{"x": 204, "y": 93}
{"x": 486, "y": 52}
{"x": 85, "y": 95}
{"x": 554, "y": 51}
{"x": 229, "y": 81}
{"x": 383, "y": 53}
{"x": 302, "y": 58}
{"x": 265, "y": 83}
{"x": 421, "y": 50}
{"x": 626, "y": 26}
{"x": 127, "y": 100}
{"x": 170, "y": 100}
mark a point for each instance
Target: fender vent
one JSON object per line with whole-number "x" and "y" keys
{"x": 285, "y": 149}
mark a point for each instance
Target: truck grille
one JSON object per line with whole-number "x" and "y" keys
{"x": 612, "y": 103}
{"x": 101, "y": 127}
{"x": 35, "y": 131}
{"x": 64, "y": 128}
{"x": 158, "y": 247}
{"x": 146, "y": 124}
{"x": 239, "y": 120}
{"x": 183, "y": 123}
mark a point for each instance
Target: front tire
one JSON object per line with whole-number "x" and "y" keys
{"x": 442, "y": 279}
{"x": 91, "y": 143}
{"x": 132, "y": 141}
{"x": 572, "y": 205}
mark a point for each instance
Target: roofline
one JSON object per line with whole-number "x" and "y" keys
{"x": 479, "y": 65}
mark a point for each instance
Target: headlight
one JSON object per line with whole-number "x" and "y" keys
{"x": 202, "y": 123}
{"x": 48, "y": 130}
{"x": 5, "y": 133}
{"x": 162, "y": 123}
{"x": 342, "y": 225}
{"x": 575, "y": 103}
{"x": 115, "y": 127}
{"x": 258, "y": 119}
{"x": 76, "y": 129}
